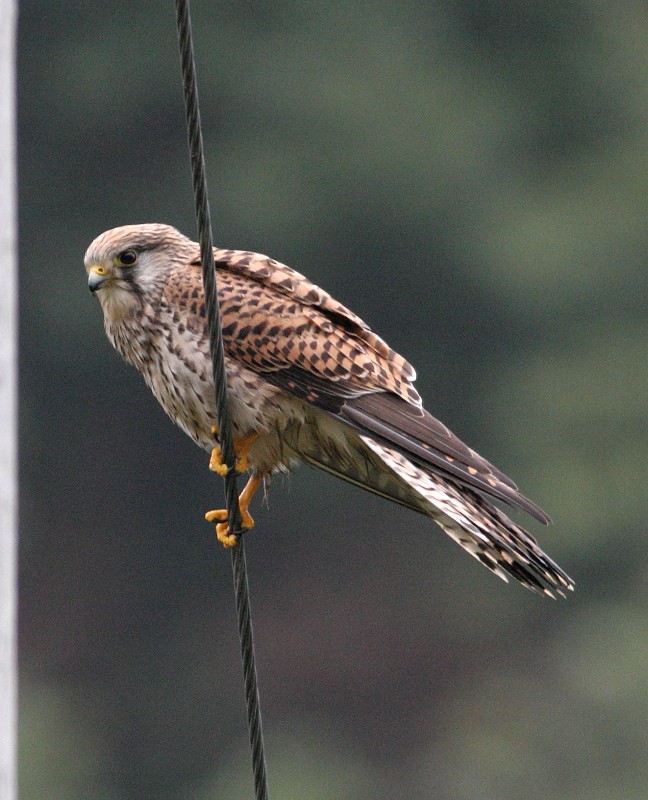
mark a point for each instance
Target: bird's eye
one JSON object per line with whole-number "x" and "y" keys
{"x": 127, "y": 258}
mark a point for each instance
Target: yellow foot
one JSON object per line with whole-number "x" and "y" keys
{"x": 223, "y": 535}
{"x": 216, "y": 462}
{"x": 241, "y": 448}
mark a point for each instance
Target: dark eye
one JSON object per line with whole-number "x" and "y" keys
{"x": 127, "y": 258}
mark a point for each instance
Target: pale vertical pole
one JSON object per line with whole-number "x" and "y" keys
{"x": 8, "y": 380}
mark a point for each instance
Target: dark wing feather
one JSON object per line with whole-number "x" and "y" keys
{"x": 413, "y": 432}
{"x": 313, "y": 388}
{"x": 430, "y": 444}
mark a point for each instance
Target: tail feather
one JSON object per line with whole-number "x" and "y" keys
{"x": 428, "y": 443}
{"x": 479, "y": 527}
{"x": 462, "y": 512}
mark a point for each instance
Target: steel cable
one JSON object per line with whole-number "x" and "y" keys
{"x": 225, "y": 435}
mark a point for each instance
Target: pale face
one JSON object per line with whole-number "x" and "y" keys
{"x": 111, "y": 276}
{"x": 125, "y": 264}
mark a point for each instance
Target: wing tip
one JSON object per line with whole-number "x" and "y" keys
{"x": 531, "y": 508}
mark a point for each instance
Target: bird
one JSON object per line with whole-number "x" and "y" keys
{"x": 307, "y": 381}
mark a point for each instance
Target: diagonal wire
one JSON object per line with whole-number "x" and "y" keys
{"x": 203, "y": 219}
{"x": 239, "y": 567}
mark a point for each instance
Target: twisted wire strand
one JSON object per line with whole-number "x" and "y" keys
{"x": 239, "y": 566}
{"x": 203, "y": 219}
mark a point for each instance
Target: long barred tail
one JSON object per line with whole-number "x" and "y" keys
{"x": 478, "y": 526}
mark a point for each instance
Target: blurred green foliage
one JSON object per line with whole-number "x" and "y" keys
{"x": 472, "y": 179}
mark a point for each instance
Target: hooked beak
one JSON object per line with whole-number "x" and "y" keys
{"x": 97, "y": 277}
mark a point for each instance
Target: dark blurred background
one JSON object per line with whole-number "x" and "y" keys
{"x": 472, "y": 178}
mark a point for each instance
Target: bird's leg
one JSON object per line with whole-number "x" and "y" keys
{"x": 223, "y": 535}
{"x": 241, "y": 447}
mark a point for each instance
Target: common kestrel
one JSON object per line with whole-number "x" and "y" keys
{"x": 308, "y": 381}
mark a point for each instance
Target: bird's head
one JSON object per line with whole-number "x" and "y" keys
{"x": 127, "y": 264}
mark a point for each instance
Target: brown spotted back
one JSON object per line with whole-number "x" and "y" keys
{"x": 285, "y": 280}
{"x": 275, "y": 319}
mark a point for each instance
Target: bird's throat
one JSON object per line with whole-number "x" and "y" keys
{"x": 118, "y": 303}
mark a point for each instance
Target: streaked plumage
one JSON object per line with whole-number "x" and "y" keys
{"x": 311, "y": 379}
